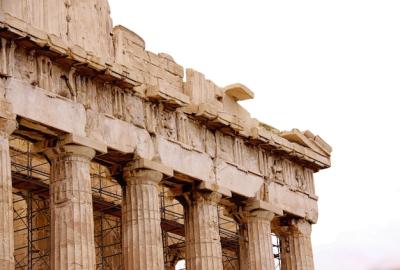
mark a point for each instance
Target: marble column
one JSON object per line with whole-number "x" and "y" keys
{"x": 255, "y": 241}
{"x": 203, "y": 246}
{"x": 296, "y": 249}
{"x": 72, "y": 227}
{"x": 7, "y": 126}
{"x": 141, "y": 221}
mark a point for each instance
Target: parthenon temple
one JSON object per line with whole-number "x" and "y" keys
{"x": 114, "y": 157}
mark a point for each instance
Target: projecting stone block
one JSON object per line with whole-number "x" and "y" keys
{"x": 166, "y": 93}
{"x": 238, "y": 92}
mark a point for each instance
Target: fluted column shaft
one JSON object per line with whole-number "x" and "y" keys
{"x": 141, "y": 221}
{"x": 203, "y": 246}
{"x": 72, "y": 228}
{"x": 6, "y": 198}
{"x": 256, "y": 245}
{"x": 296, "y": 248}
{"x": 243, "y": 246}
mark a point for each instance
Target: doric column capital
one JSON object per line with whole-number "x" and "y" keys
{"x": 144, "y": 176}
{"x": 69, "y": 145}
{"x": 205, "y": 191}
{"x": 7, "y": 119}
{"x": 211, "y": 196}
{"x": 254, "y": 209}
{"x": 7, "y": 126}
{"x": 259, "y": 214}
{"x": 199, "y": 196}
{"x": 85, "y": 152}
{"x": 293, "y": 226}
{"x": 300, "y": 226}
{"x": 254, "y": 204}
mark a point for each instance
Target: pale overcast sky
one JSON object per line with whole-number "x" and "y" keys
{"x": 329, "y": 66}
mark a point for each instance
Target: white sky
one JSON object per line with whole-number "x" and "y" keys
{"x": 329, "y": 66}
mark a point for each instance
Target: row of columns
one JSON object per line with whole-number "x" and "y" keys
{"x": 72, "y": 227}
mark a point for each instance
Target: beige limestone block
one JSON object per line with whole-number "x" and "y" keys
{"x": 232, "y": 178}
{"x": 255, "y": 241}
{"x": 141, "y": 230}
{"x": 238, "y": 91}
{"x": 45, "y": 107}
{"x": 7, "y": 126}
{"x": 72, "y": 228}
{"x": 296, "y": 203}
{"x": 203, "y": 245}
{"x": 125, "y": 137}
{"x": 202, "y": 91}
{"x": 296, "y": 248}
{"x": 197, "y": 165}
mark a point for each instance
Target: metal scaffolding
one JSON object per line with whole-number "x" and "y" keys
{"x": 173, "y": 233}
{"x": 30, "y": 174}
{"x": 107, "y": 219}
{"x": 31, "y": 208}
{"x": 32, "y": 231}
{"x": 229, "y": 234}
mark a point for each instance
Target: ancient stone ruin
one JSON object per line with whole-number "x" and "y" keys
{"x": 113, "y": 157}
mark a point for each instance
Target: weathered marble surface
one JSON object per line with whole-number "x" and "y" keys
{"x": 75, "y": 83}
{"x": 141, "y": 231}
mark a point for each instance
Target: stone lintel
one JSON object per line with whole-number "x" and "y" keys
{"x": 69, "y": 139}
{"x": 254, "y": 205}
{"x": 143, "y": 163}
{"x": 213, "y": 187}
